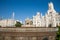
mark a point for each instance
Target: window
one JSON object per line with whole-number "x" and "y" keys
{"x": 27, "y": 23}
{"x": 45, "y": 38}
{"x": 50, "y": 12}
{"x": 50, "y": 25}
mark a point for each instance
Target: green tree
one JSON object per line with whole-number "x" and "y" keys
{"x": 58, "y": 34}
{"x": 18, "y": 24}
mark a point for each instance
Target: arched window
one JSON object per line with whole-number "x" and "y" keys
{"x": 45, "y": 38}
{"x": 50, "y": 25}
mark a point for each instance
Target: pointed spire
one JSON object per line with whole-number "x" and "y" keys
{"x": 51, "y": 6}
{"x": 13, "y": 15}
{"x": 38, "y": 13}
{"x": 41, "y": 14}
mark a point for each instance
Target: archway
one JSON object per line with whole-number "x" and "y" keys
{"x": 45, "y": 38}
{"x": 50, "y": 25}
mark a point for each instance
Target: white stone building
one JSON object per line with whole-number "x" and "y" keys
{"x": 37, "y": 20}
{"x": 7, "y": 23}
{"x": 51, "y": 18}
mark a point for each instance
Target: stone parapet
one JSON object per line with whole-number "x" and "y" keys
{"x": 26, "y": 29}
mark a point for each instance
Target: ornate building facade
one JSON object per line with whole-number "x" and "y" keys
{"x": 37, "y": 20}
{"x": 35, "y": 30}
{"x": 7, "y": 23}
{"x": 51, "y": 18}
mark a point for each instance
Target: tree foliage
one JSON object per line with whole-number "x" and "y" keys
{"x": 18, "y": 24}
{"x": 58, "y": 34}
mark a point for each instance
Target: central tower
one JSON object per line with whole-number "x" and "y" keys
{"x": 51, "y": 6}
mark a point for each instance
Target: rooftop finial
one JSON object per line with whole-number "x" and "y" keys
{"x": 51, "y": 5}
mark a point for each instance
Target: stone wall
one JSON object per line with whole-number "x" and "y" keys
{"x": 28, "y": 35}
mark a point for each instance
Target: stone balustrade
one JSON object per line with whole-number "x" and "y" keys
{"x": 31, "y": 29}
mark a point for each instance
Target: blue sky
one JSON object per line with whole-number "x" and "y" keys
{"x": 25, "y": 8}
